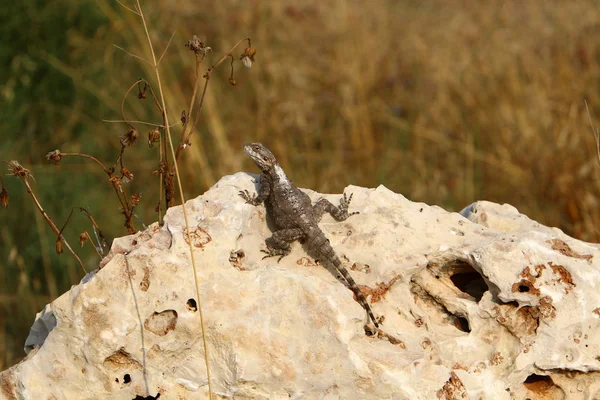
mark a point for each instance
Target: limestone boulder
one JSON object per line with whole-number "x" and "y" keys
{"x": 482, "y": 304}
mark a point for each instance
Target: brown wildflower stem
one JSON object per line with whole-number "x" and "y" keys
{"x": 199, "y": 57}
{"x": 94, "y": 225}
{"x": 232, "y": 60}
{"x": 95, "y": 247}
{"x": 89, "y": 157}
{"x": 115, "y": 182}
{"x": 160, "y": 183}
{"x": 119, "y": 159}
{"x": 186, "y": 139}
{"x": 101, "y": 238}
{"x": 133, "y": 86}
{"x": 51, "y": 223}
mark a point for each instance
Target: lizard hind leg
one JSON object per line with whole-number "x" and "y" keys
{"x": 340, "y": 213}
{"x": 279, "y": 243}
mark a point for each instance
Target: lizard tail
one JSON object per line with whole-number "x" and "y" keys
{"x": 354, "y": 287}
{"x": 322, "y": 250}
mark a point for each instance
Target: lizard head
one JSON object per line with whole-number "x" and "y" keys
{"x": 262, "y": 157}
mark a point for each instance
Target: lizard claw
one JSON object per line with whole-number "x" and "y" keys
{"x": 274, "y": 252}
{"x": 345, "y": 203}
{"x": 250, "y": 199}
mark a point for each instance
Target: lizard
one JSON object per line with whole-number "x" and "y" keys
{"x": 295, "y": 217}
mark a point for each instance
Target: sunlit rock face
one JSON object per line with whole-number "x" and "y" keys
{"x": 483, "y": 304}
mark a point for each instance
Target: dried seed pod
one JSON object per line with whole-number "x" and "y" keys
{"x": 135, "y": 199}
{"x": 153, "y": 137}
{"x": 59, "y": 246}
{"x": 126, "y": 174}
{"x": 197, "y": 46}
{"x": 4, "y": 197}
{"x": 54, "y": 156}
{"x": 129, "y": 138}
{"x": 18, "y": 170}
{"x": 83, "y": 238}
{"x": 248, "y": 56}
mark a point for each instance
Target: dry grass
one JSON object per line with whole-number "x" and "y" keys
{"x": 445, "y": 102}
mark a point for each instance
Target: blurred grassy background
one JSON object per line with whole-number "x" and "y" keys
{"x": 447, "y": 102}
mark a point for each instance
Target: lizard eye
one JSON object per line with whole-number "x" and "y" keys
{"x": 265, "y": 158}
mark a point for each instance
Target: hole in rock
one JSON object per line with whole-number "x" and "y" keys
{"x": 538, "y": 383}
{"x": 523, "y": 288}
{"x": 462, "y": 324}
{"x": 191, "y": 305}
{"x": 138, "y": 397}
{"x": 126, "y": 378}
{"x": 436, "y": 310}
{"x": 470, "y": 281}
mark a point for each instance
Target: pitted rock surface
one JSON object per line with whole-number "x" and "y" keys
{"x": 483, "y": 304}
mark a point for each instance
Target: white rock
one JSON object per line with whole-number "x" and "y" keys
{"x": 491, "y": 305}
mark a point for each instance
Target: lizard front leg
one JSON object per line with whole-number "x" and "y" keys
{"x": 264, "y": 190}
{"x": 279, "y": 243}
{"x": 340, "y": 213}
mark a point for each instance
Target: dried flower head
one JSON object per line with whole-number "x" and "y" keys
{"x": 162, "y": 168}
{"x": 153, "y": 137}
{"x": 16, "y": 169}
{"x": 197, "y": 46}
{"x": 248, "y": 56}
{"x": 4, "y": 197}
{"x": 59, "y": 245}
{"x": 126, "y": 174}
{"x": 83, "y": 238}
{"x": 135, "y": 199}
{"x": 54, "y": 156}
{"x": 115, "y": 180}
{"x": 129, "y": 138}
{"x": 142, "y": 91}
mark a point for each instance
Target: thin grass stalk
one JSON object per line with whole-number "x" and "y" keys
{"x": 168, "y": 131}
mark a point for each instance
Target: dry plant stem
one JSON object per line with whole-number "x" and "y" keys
{"x": 136, "y": 83}
{"x": 199, "y": 58}
{"x": 87, "y": 156}
{"x": 117, "y": 188}
{"x": 162, "y": 98}
{"x": 95, "y": 247}
{"x": 51, "y": 223}
{"x": 94, "y": 225}
{"x": 139, "y": 122}
{"x": 206, "y": 79}
{"x": 160, "y": 184}
{"x": 167, "y": 175}
{"x": 119, "y": 159}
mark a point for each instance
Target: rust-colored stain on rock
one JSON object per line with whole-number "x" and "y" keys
{"x": 199, "y": 237}
{"x": 563, "y": 248}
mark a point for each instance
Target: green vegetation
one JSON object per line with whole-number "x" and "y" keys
{"x": 445, "y": 102}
